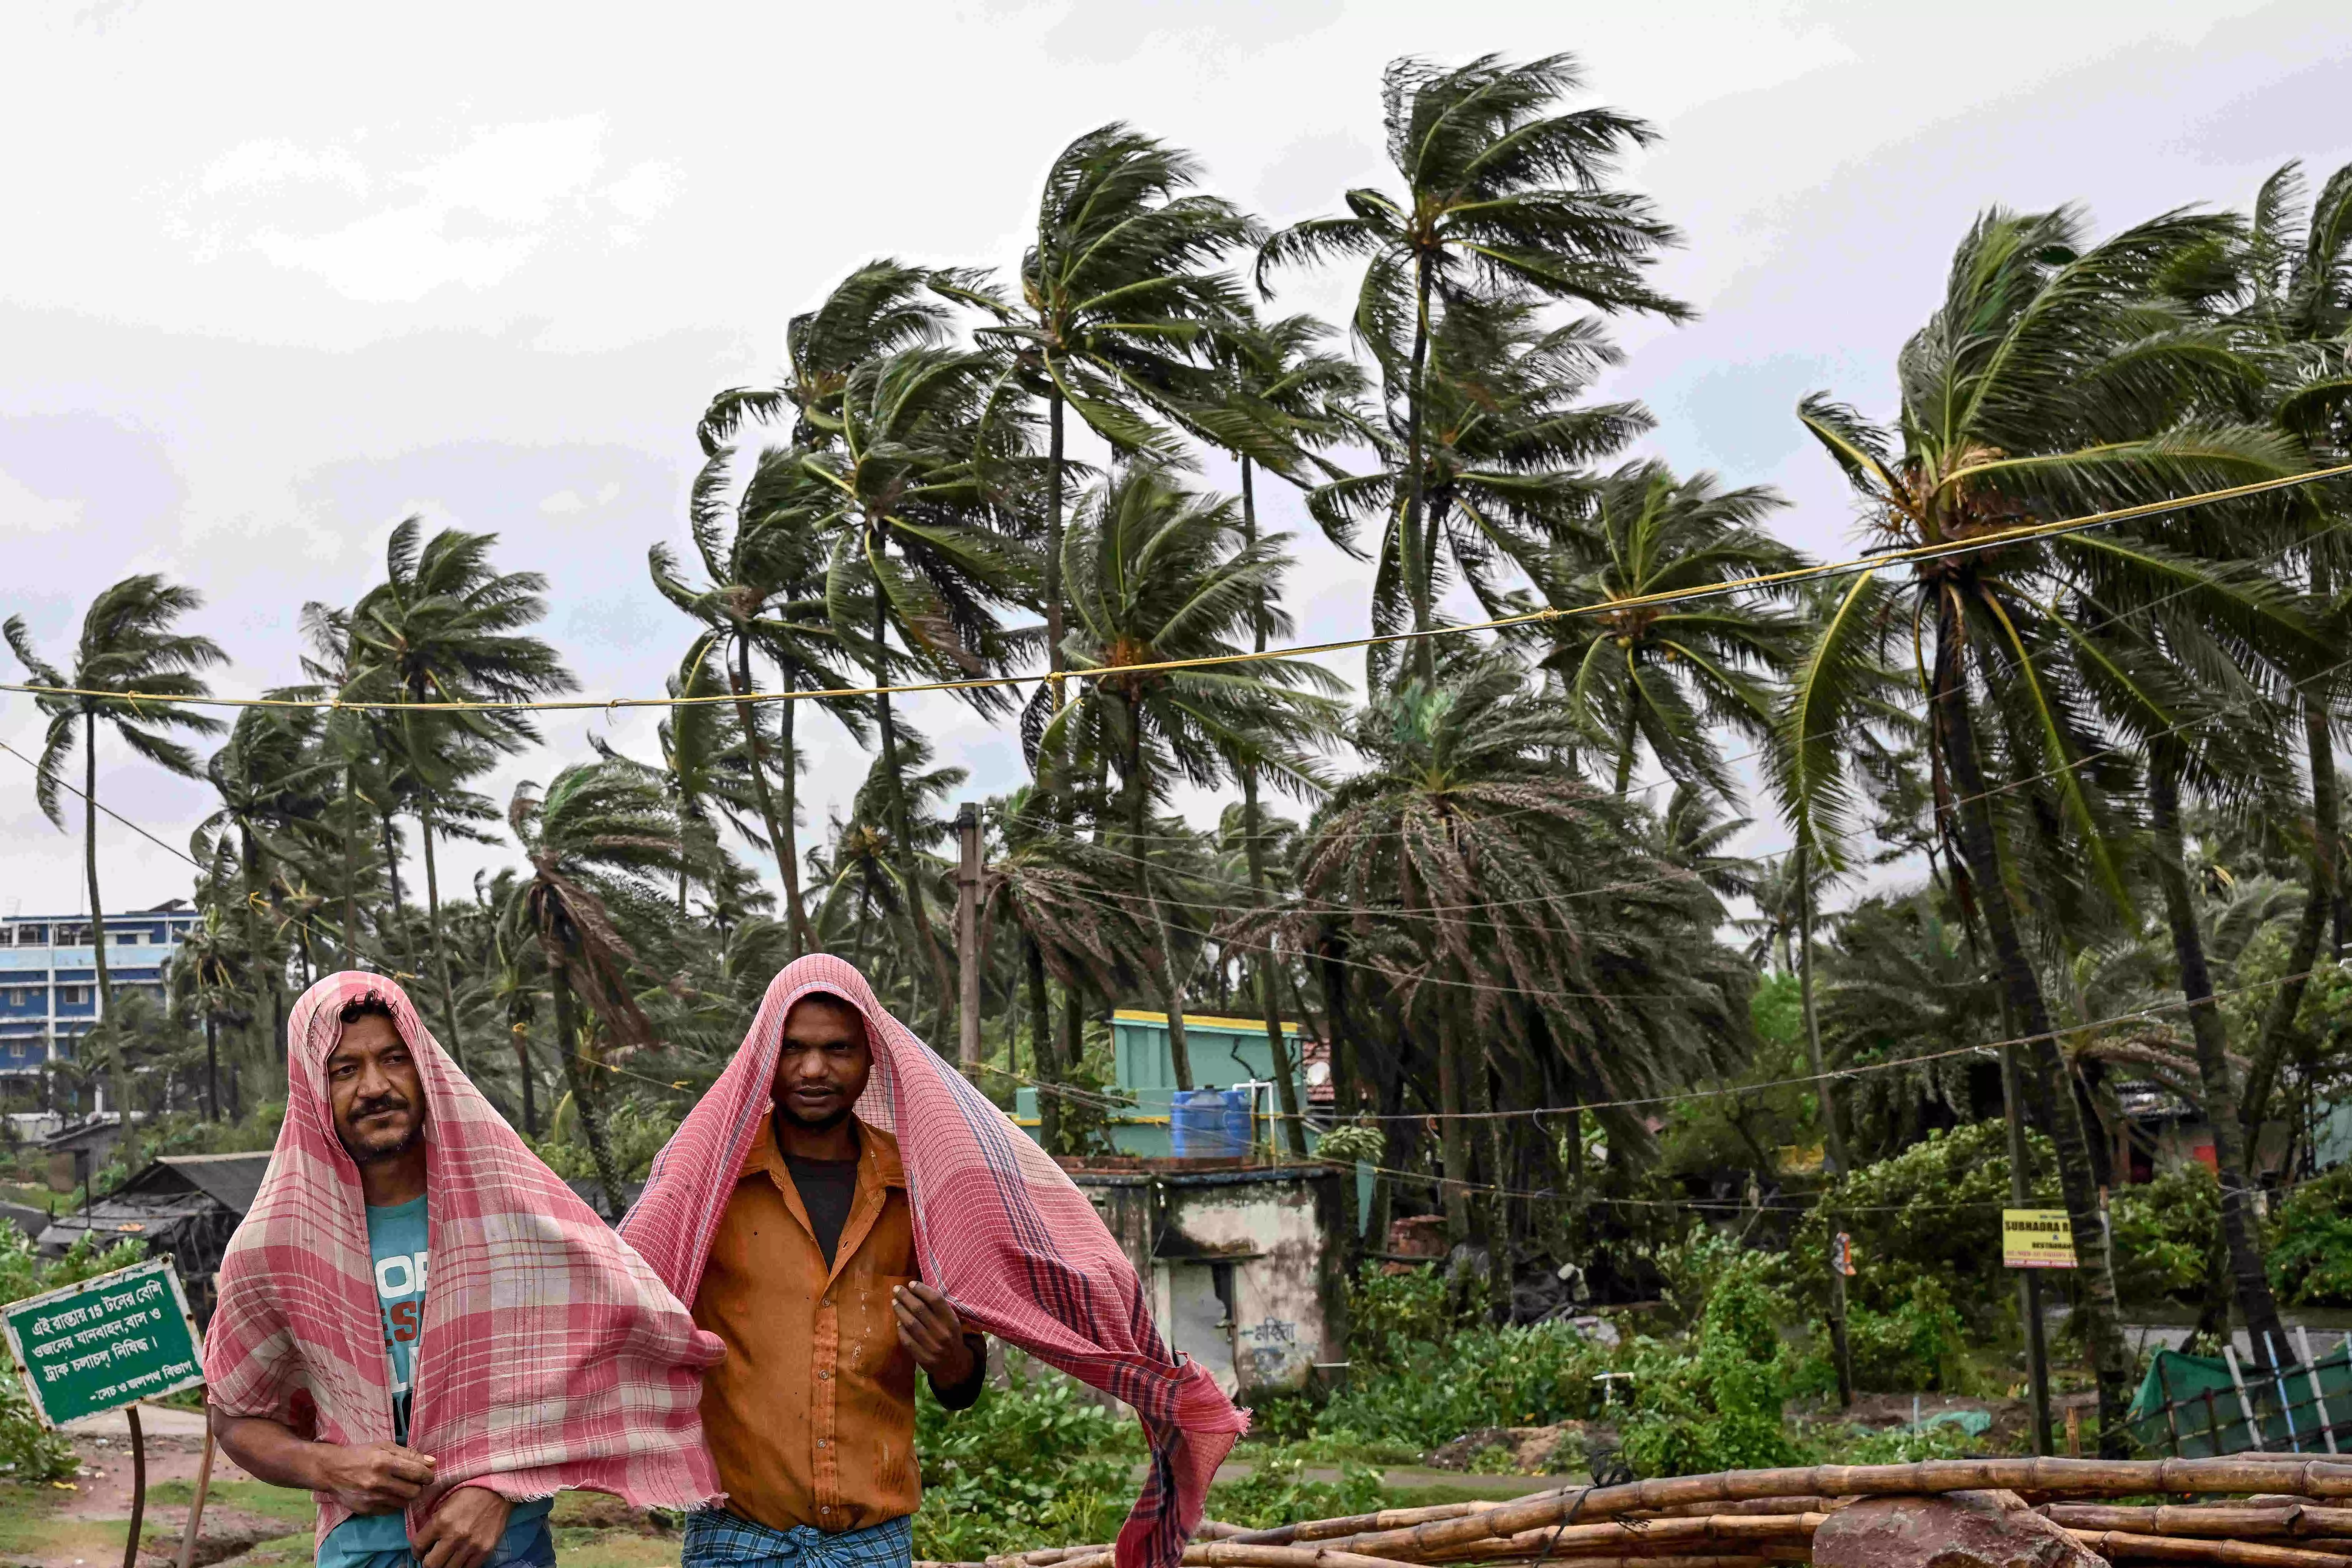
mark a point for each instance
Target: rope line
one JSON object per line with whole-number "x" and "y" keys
{"x": 1911, "y": 554}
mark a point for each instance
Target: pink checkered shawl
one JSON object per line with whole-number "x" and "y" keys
{"x": 550, "y": 1356}
{"x": 999, "y": 1229}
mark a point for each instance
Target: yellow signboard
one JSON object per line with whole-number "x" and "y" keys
{"x": 2036, "y": 1238}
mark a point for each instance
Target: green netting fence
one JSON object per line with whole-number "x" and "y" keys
{"x": 2203, "y": 1406}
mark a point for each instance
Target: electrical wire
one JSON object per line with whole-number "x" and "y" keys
{"x": 1912, "y": 555}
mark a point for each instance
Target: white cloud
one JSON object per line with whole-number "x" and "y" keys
{"x": 477, "y": 214}
{"x": 22, "y": 510}
{"x": 645, "y": 190}
{"x": 269, "y": 162}
{"x": 563, "y": 503}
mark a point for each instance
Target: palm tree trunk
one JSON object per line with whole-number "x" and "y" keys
{"x": 591, "y": 1121}
{"x": 519, "y": 1031}
{"x": 1629, "y": 739}
{"x": 351, "y": 870}
{"x": 1136, "y": 797}
{"x": 2211, "y": 1034}
{"x": 1832, "y": 1137}
{"x": 212, "y": 1068}
{"x": 1055, "y": 619}
{"x": 1454, "y": 1135}
{"x": 392, "y": 870}
{"x": 2111, "y": 1358}
{"x": 433, "y": 925}
{"x": 249, "y": 864}
{"x": 788, "y": 858}
{"x": 1417, "y": 582}
{"x": 901, "y": 823}
{"x": 1041, "y": 1045}
{"x": 90, "y": 863}
{"x": 2286, "y": 1001}
{"x": 1286, "y": 1082}
{"x": 739, "y": 677}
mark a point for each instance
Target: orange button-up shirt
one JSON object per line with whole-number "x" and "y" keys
{"x": 811, "y": 1415}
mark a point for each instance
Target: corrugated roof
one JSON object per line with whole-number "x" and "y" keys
{"x": 231, "y": 1178}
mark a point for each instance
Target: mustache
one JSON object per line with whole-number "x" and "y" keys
{"x": 361, "y": 1110}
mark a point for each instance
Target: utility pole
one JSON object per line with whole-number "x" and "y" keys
{"x": 968, "y": 938}
{"x": 1833, "y": 1140}
{"x": 2028, "y": 1280}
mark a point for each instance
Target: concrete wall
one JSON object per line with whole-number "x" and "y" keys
{"x": 1242, "y": 1273}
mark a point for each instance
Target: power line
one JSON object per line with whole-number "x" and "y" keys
{"x": 1913, "y": 554}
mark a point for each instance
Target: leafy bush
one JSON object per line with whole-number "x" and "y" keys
{"x": 1036, "y": 1463}
{"x": 1930, "y": 1213}
{"x": 1277, "y": 1491}
{"x": 1422, "y": 1375}
{"x": 2167, "y": 1237}
{"x": 1921, "y": 1345}
{"x": 635, "y": 1129}
{"x": 1716, "y": 1407}
{"x": 1902, "y": 1446}
{"x": 29, "y": 1451}
{"x": 2311, "y": 1242}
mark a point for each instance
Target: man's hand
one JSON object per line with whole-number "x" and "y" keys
{"x": 465, "y": 1530}
{"x": 370, "y": 1478}
{"x": 927, "y": 1325}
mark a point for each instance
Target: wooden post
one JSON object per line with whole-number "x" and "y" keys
{"x": 2318, "y": 1399}
{"x": 137, "y": 1486}
{"x": 2028, "y": 1280}
{"x": 197, "y": 1503}
{"x": 968, "y": 939}
{"x": 2074, "y": 1431}
{"x": 2171, "y": 1410}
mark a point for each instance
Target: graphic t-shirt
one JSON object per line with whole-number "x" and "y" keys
{"x": 396, "y": 1246}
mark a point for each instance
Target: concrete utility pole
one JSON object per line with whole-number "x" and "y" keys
{"x": 968, "y": 939}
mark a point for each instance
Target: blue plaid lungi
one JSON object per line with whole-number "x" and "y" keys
{"x": 717, "y": 1539}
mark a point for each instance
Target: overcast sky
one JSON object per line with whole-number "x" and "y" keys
{"x": 275, "y": 276}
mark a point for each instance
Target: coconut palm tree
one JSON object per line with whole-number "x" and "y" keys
{"x": 1281, "y": 383}
{"x": 1156, "y": 574}
{"x": 2288, "y": 292}
{"x": 1678, "y": 676}
{"x": 762, "y": 592}
{"x": 2053, "y": 380}
{"x": 903, "y": 502}
{"x": 208, "y": 977}
{"x": 1507, "y": 443}
{"x": 445, "y": 627}
{"x": 1503, "y": 196}
{"x": 1120, "y": 306}
{"x": 596, "y": 842}
{"x": 1495, "y": 902}
{"x": 272, "y": 787}
{"x": 129, "y": 643}
{"x": 879, "y": 309}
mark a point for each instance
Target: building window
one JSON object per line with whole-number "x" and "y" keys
{"x": 31, "y": 936}
{"x": 73, "y": 995}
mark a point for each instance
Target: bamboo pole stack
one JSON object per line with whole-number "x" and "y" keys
{"x": 2254, "y": 1510}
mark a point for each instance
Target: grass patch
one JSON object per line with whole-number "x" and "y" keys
{"x": 253, "y": 1497}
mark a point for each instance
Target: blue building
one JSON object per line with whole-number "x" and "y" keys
{"x": 1226, "y": 1053}
{"x": 48, "y": 976}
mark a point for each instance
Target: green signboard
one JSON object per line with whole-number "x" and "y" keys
{"x": 105, "y": 1342}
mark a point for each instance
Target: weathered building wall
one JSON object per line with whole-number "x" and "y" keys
{"x": 1242, "y": 1276}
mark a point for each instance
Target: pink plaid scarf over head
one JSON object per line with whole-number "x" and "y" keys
{"x": 999, "y": 1229}
{"x": 550, "y": 1355}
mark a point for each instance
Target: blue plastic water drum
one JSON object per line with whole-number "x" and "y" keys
{"x": 1210, "y": 1123}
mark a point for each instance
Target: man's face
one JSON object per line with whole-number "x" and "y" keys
{"x": 822, "y": 1066}
{"x": 374, "y": 1092}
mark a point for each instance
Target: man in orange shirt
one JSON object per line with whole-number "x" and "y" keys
{"x": 811, "y": 1282}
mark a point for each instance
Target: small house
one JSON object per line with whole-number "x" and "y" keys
{"x": 182, "y": 1206}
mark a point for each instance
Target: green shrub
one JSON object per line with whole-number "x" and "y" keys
{"x": 29, "y": 1451}
{"x": 2311, "y": 1242}
{"x": 636, "y": 1129}
{"x": 2167, "y": 1237}
{"x": 1921, "y": 1345}
{"x": 1277, "y": 1491}
{"x": 1930, "y": 1213}
{"x": 1037, "y": 1463}
{"x": 1716, "y": 1407}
